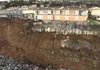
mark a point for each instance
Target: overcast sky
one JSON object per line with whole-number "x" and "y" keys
{"x": 4, "y": 0}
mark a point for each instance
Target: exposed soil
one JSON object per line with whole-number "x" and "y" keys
{"x": 45, "y": 49}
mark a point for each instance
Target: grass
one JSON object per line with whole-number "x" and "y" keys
{"x": 93, "y": 22}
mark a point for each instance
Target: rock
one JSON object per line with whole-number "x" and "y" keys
{"x": 7, "y": 63}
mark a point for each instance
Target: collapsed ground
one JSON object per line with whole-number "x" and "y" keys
{"x": 79, "y": 53}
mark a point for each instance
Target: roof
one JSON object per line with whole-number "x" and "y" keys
{"x": 95, "y": 8}
{"x": 58, "y": 8}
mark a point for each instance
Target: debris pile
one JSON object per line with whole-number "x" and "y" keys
{"x": 75, "y": 44}
{"x": 7, "y": 63}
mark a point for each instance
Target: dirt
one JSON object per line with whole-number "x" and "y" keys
{"x": 44, "y": 48}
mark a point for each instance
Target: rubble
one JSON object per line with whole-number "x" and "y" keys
{"x": 75, "y": 44}
{"x": 7, "y": 63}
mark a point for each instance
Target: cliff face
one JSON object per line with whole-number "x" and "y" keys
{"x": 80, "y": 53}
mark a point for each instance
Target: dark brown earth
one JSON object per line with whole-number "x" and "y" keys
{"x": 45, "y": 49}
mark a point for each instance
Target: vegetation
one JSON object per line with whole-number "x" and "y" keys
{"x": 19, "y": 3}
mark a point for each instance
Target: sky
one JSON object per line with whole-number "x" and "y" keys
{"x": 4, "y": 0}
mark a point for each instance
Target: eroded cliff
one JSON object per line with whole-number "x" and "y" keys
{"x": 80, "y": 53}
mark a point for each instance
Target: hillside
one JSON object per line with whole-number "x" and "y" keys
{"x": 77, "y": 52}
